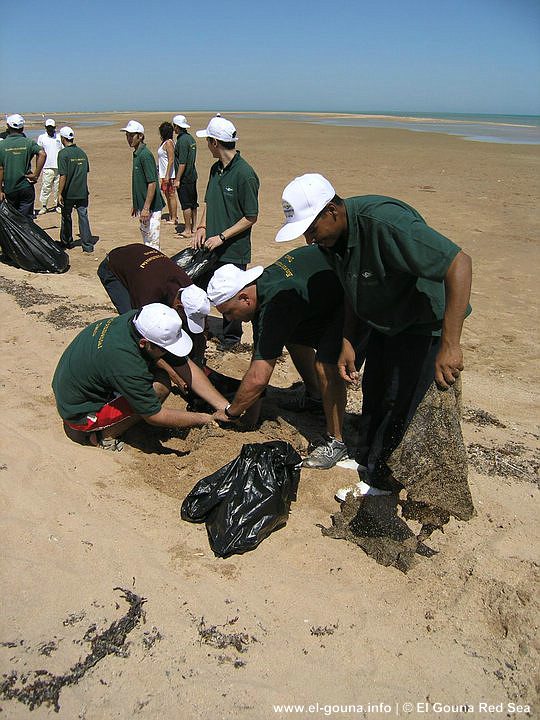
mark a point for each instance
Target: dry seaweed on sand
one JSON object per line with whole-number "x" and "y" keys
{"x": 505, "y": 461}
{"x": 431, "y": 465}
{"x": 211, "y": 635}
{"x": 43, "y": 687}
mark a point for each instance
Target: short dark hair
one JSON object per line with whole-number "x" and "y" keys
{"x": 166, "y": 131}
{"x": 227, "y": 145}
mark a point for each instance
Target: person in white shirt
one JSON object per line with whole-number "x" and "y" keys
{"x": 51, "y": 143}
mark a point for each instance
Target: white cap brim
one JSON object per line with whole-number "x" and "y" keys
{"x": 202, "y": 133}
{"x": 196, "y": 322}
{"x": 293, "y": 230}
{"x": 182, "y": 347}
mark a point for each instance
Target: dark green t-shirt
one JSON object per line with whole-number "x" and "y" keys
{"x": 185, "y": 153}
{"x": 393, "y": 266}
{"x": 297, "y": 297}
{"x": 144, "y": 173}
{"x": 102, "y": 360}
{"x": 16, "y": 153}
{"x": 231, "y": 194}
{"x": 73, "y": 163}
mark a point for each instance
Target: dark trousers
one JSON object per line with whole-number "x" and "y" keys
{"x": 66, "y": 230}
{"x": 232, "y": 329}
{"x": 397, "y": 375}
{"x": 23, "y": 200}
{"x": 115, "y": 290}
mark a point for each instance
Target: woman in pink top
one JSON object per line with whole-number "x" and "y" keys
{"x": 166, "y": 170}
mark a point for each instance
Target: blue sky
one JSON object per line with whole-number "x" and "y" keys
{"x": 419, "y": 55}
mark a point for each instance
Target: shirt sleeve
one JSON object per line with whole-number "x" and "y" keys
{"x": 249, "y": 196}
{"x": 149, "y": 168}
{"x": 420, "y": 251}
{"x": 139, "y": 392}
{"x": 276, "y": 324}
{"x": 36, "y": 149}
{"x": 62, "y": 163}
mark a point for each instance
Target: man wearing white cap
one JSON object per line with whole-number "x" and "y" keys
{"x": 231, "y": 208}
{"x": 16, "y": 177}
{"x": 405, "y": 281}
{"x": 107, "y": 379}
{"x": 185, "y": 173}
{"x": 74, "y": 167}
{"x": 50, "y": 142}
{"x": 297, "y": 303}
{"x": 135, "y": 275}
{"x": 147, "y": 201}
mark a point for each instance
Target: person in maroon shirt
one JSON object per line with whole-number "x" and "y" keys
{"x": 135, "y": 275}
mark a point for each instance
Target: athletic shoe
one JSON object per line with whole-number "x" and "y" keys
{"x": 58, "y": 209}
{"x": 327, "y": 454}
{"x": 360, "y": 489}
{"x": 42, "y": 211}
{"x": 302, "y": 402}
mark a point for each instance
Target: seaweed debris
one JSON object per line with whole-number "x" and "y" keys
{"x": 46, "y": 687}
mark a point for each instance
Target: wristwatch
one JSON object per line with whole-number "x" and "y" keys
{"x": 228, "y": 414}
{"x": 221, "y": 237}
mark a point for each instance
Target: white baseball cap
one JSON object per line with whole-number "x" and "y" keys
{"x": 229, "y": 280}
{"x": 134, "y": 127}
{"x": 49, "y": 121}
{"x": 196, "y": 306}
{"x": 219, "y": 128}
{"x": 15, "y": 121}
{"x": 161, "y": 325}
{"x": 181, "y": 121}
{"x": 67, "y": 132}
{"x": 302, "y": 200}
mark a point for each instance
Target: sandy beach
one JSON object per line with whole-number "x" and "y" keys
{"x": 311, "y": 621}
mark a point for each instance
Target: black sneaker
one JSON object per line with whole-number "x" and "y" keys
{"x": 326, "y": 455}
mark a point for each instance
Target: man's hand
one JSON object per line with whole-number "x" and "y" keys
{"x": 221, "y": 417}
{"x": 346, "y": 365}
{"x": 199, "y": 238}
{"x": 448, "y": 365}
{"x": 176, "y": 183}
{"x": 134, "y": 212}
{"x": 213, "y": 242}
{"x": 2, "y": 196}
{"x": 32, "y": 177}
{"x": 145, "y": 215}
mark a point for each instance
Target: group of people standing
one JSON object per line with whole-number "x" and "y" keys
{"x": 64, "y": 168}
{"x": 374, "y": 286}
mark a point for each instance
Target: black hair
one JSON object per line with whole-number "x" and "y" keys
{"x": 166, "y": 131}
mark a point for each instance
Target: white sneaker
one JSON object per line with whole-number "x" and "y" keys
{"x": 42, "y": 211}
{"x": 361, "y": 488}
{"x": 58, "y": 209}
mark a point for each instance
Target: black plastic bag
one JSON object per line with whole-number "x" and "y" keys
{"x": 196, "y": 262}
{"x": 244, "y": 501}
{"x": 27, "y": 246}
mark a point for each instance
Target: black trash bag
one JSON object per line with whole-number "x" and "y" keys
{"x": 244, "y": 501}
{"x": 27, "y": 246}
{"x": 196, "y": 262}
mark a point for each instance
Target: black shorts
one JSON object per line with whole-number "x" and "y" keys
{"x": 187, "y": 194}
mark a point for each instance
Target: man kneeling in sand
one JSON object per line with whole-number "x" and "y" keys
{"x": 296, "y": 303}
{"x": 107, "y": 378}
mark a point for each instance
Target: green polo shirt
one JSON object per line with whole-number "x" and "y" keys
{"x": 144, "y": 173}
{"x": 102, "y": 360}
{"x": 297, "y": 297}
{"x": 16, "y": 153}
{"x": 185, "y": 153}
{"x": 392, "y": 266}
{"x": 73, "y": 164}
{"x": 231, "y": 194}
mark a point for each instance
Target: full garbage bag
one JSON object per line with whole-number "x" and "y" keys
{"x": 244, "y": 501}
{"x": 196, "y": 261}
{"x": 27, "y": 246}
